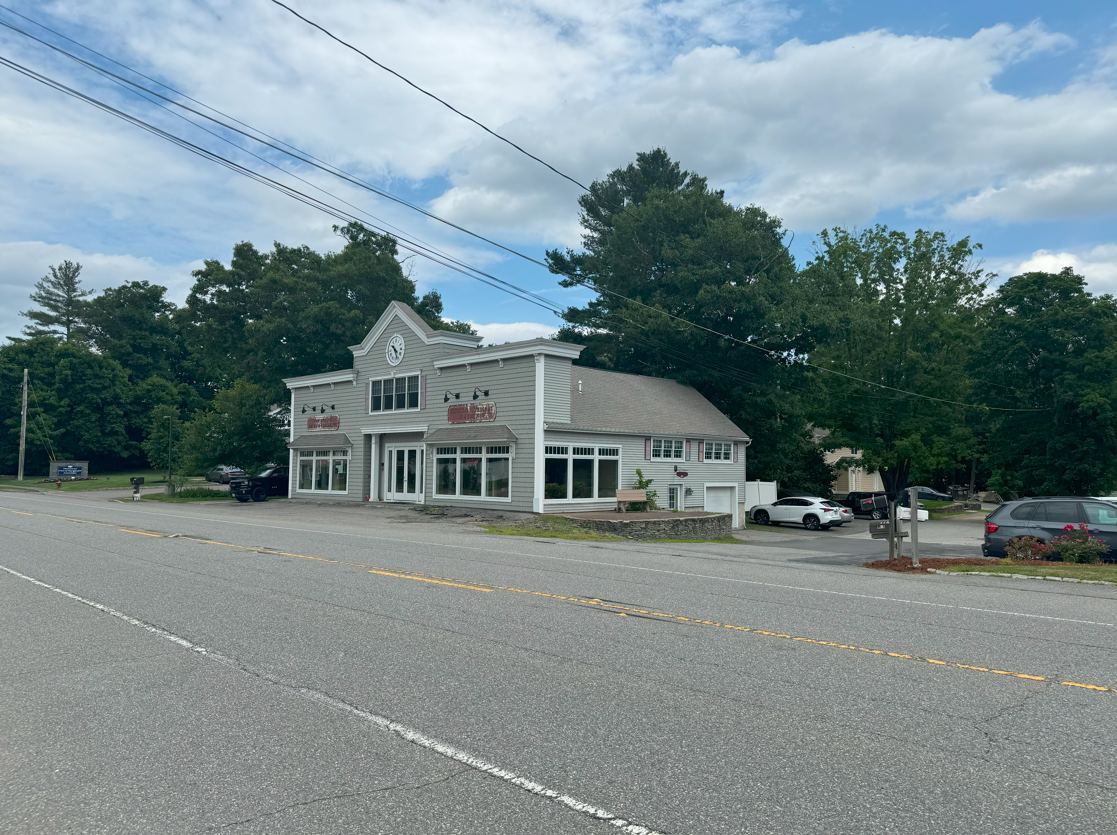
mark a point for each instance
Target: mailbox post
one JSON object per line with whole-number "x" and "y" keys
{"x": 913, "y": 503}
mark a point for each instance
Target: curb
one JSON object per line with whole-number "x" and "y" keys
{"x": 1019, "y": 577}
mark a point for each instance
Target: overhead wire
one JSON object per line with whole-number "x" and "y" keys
{"x": 580, "y": 280}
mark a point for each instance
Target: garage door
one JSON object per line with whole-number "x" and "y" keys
{"x": 721, "y": 499}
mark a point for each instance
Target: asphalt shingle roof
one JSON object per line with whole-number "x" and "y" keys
{"x": 465, "y": 434}
{"x": 321, "y": 440}
{"x": 637, "y": 405}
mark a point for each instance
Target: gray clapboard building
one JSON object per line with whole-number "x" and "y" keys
{"x": 430, "y": 416}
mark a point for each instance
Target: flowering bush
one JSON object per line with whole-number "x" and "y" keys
{"x": 1021, "y": 548}
{"x": 1077, "y": 545}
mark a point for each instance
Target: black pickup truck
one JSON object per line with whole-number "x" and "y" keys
{"x": 272, "y": 481}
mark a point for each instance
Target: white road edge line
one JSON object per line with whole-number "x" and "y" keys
{"x": 409, "y": 734}
{"x": 497, "y": 551}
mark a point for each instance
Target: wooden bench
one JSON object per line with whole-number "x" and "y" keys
{"x": 634, "y": 496}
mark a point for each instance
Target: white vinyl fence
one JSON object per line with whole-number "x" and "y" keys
{"x": 759, "y": 492}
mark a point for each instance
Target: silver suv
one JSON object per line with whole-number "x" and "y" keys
{"x": 1045, "y": 519}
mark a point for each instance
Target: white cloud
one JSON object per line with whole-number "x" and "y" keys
{"x": 1097, "y": 265}
{"x": 25, "y": 262}
{"x": 501, "y": 332}
{"x": 820, "y": 134}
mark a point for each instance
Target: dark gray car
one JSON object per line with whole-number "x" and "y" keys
{"x": 1045, "y": 519}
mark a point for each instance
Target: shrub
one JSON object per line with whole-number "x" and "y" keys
{"x": 1077, "y": 545}
{"x": 201, "y": 493}
{"x": 643, "y": 484}
{"x": 1022, "y": 548}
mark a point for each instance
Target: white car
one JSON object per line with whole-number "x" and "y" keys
{"x": 904, "y": 513}
{"x": 811, "y": 512}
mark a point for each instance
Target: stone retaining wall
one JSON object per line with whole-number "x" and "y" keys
{"x": 714, "y": 526}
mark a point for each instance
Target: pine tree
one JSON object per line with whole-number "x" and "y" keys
{"x": 62, "y": 299}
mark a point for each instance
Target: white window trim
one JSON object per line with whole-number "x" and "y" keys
{"x": 706, "y": 459}
{"x": 485, "y": 456}
{"x": 597, "y": 458}
{"x": 672, "y": 441}
{"x": 393, "y": 376}
{"x": 294, "y": 473}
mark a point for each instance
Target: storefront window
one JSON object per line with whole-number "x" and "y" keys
{"x": 323, "y": 470}
{"x": 446, "y": 471}
{"x": 471, "y": 471}
{"x": 306, "y": 470}
{"x": 608, "y": 477}
{"x": 340, "y": 474}
{"x": 496, "y": 476}
{"x": 582, "y": 481}
{"x": 555, "y": 471}
{"x": 581, "y": 472}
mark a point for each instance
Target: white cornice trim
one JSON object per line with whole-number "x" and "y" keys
{"x": 548, "y": 347}
{"x": 328, "y": 378}
{"x": 395, "y": 430}
{"x": 394, "y": 313}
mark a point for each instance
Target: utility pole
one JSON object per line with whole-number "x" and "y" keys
{"x": 170, "y": 429}
{"x": 23, "y": 428}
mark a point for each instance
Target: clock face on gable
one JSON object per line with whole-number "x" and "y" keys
{"x": 394, "y": 351}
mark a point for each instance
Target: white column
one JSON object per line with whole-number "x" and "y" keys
{"x": 537, "y": 481}
{"x": 374, "y": 470}
{"x": 292, "y": 459}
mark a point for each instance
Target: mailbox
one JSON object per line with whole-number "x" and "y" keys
{"x": 136, "y": 480}
{"x": 879, "y": 530}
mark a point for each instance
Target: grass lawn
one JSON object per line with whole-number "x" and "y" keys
{"x": 1079, "y": 571}
{"x": 100, "y": 481}
{"x": 931, "y": 504}
{"x": 552, "y": 527}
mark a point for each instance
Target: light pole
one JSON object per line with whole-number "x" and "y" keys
{"x": 170, "y": 429}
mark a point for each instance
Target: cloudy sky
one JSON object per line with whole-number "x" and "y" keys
{"x": 995, "y": 120}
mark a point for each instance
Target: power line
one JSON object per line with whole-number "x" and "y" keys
{"x": 429, "y": 94}
{"x": 580, "y": 280}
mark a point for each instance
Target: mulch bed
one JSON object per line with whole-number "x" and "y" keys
{"x": 904, "y": 566}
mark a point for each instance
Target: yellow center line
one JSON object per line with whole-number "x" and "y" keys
{"x": 426, "y": 580}
{"x": 618, "y": 608}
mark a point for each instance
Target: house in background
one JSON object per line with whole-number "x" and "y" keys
{"x": 850, "y": 477}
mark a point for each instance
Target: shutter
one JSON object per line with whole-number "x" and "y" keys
{"x": 422, "y": 391}
{"x": 701, "y": 451}
{"x": 368, "y": 398}
{"x": 687, "y": 453}
{"x": 734, "y": 453}
{"x": 647, "y": 449}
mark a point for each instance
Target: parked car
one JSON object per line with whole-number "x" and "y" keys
{"x": 847, "y": 514}
{"x": 812, "y": 513}
{"x": 223, "y": 474}
{"x": 272, "y": 481}
{"x": 931, "y": 495}
{"x": 1045, "y": 518}
{"x": 872, "y": 503}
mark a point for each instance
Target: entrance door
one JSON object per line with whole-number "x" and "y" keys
{"x": 404, "y": 469}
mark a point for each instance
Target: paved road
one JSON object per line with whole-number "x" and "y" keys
{"x": 297, "y": 668}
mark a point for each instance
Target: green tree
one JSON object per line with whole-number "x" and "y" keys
{"x": 238, "y": 429}
{"x": 293, "y": 311}
{"x": 79, "y": 404}
{"x": 135, "y": 325}
{"x": 164, "y": 437}
{"x": 660, "y": 243}
{"x": 61, "y": 300}
{"x": 1051, "y": 346}
{"x": 902, "y": 313}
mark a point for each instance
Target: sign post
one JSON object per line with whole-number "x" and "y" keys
{"x": 913, "y": 501}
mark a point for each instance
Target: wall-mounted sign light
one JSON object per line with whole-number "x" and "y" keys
{"x": 322, "y": 408}
{"x": 479, "y": 393}
{"x": 446, "y": 397}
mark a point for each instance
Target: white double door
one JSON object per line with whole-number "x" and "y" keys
{"x": 403, "y": 471}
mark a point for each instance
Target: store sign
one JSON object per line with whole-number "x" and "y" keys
{"x": 329, "y": 423}
{"x": 682, "y": 473}
{"x": 472, "y": 413}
